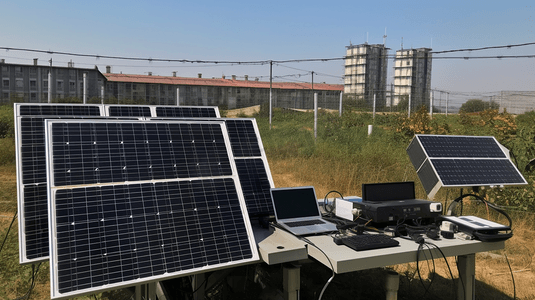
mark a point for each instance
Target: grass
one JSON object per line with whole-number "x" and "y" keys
{"x": 341, "y": 158}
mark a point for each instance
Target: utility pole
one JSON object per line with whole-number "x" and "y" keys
{"x": 270, "y": 90}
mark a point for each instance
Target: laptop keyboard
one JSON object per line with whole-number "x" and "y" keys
{"x": 369, "y": 241}
{"x": 304, "y": 223}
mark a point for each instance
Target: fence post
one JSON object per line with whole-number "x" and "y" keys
{"x": 85, "y": 88}
{"x": 49, "y": 87}
{"x": 374, "y": 102}
{"x": 340, "y": 109}
{"x": 315, "y": 115}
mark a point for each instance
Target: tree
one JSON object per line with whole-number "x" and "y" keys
{"x": 477, "y": 105}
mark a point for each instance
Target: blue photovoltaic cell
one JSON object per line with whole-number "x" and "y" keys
{"x": 461, "y": 146}
{"x": 129, "y": 111}
{"x": 471, "y": 172}
{"x": 186, "y": 112}
{"x": 124, "y": 233}
{"x": 58, "y": 110}
{"x": 102, "y": 152}
{"x": 243, "y": 138}
{"x": 255, "y": 185}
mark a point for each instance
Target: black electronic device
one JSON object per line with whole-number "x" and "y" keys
{"x": 394, "y": 201}
{"x": 363, "y": 242}
{"x": 399, "y": 210}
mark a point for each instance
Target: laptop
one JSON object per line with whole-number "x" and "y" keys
{"x": 297, "y": 210}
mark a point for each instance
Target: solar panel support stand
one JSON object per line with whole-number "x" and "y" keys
{"x": 198, "y": 286}
{"x": 146, "y": 291}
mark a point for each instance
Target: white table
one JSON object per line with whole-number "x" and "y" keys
{"x": 278, "y": 246}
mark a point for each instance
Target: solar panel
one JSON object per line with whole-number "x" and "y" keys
{"x": 128, "y": 111}
{"x": 31, "y": 165}
{"x": 162, "y": 111}
{"x": 461, "y": 161}
{"x": 142, "y": 225}
{"x": 187, "y": 111}
{"x": 31, "y": 172}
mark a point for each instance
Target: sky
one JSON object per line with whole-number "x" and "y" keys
{"x": 259, "y": 31}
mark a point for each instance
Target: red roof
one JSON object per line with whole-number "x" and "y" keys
{"x": 112, "y": 77}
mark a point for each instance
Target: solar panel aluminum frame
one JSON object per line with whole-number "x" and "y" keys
{"x": 153, "y": 109}
{"x": 425, "y": 163}
{"x": 17, "y": 107}
{"x": 52, "y": 190}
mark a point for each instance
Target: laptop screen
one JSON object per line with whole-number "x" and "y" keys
{"x": 388, "y": 191}
{"x": 296, "y": 202}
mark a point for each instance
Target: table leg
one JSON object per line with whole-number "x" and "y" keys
{"x": 467, "y": 274}
{"x": 291, "y": 282}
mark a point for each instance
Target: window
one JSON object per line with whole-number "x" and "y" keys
{"x": 60, "y": 85}
{"x": 5, "y": 83}
{"x": 33, "y": 84}
{"x": 72, "y": 86}
{"x": 5, "y": 95}
{"x": 19, "y": 84}
{"x": 33, "y": 71}
{"x": 5, "y": 68}
{"x": 33, "y": 97}
{"x": 45, "y": 85}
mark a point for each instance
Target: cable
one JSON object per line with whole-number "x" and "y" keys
{"x": 332, "y": 267}
{"x": 512, "y": 276}
{"x": 453, "y": 204}
{"x": 7, "y": 233}
{"x": 35, "y": 270}
{"x": 329, "y": 208}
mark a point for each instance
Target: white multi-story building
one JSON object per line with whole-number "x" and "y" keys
{"x": 412, "y": 76}
{"x": 365, "y": 71}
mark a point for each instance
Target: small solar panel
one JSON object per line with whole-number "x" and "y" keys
{"x": 187, "y": 111}
{"x": 128, "y": 111}
{"x": 142, "y": 225}
{"x": 459, "y": 161}
{"x": 57, "y": 110}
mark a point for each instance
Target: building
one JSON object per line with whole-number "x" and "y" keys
{"x": 412, "y": 76}
{"x": 366, "y": 72}
{"x": 224, "y": 92}
{"x": 30, "y": 83}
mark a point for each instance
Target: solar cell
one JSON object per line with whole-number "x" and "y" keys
{"x": 187, "y": 111}
{"x": 128, "y": 111}
{"x": 459, "y": 161}
{"x": 154, "y": 226}
{"x": 255, "y": 182}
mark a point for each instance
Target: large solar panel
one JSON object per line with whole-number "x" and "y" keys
{"x": 31, "y": 163}
{"x": 171, "y": 204}
{"x": 461, "y": 161}
{"x": 31, "y": 172}
{"x": 252, "y": 164}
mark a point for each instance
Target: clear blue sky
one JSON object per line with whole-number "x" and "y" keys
{"x": 276, "y": 30}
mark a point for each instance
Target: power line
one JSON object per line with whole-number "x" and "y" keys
{"x": 484, "y": 48}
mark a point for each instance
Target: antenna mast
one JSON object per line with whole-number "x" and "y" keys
{"x": 384, "y": 38}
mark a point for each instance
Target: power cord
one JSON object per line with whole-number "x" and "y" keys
{"x": 329, "y": 208}
{"x": 7, "y": 233}
{"x": 332, "y": 267}
{"x": 35, "y": 270}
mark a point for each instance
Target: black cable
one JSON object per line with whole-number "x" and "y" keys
{"x": 512, "y": 276}
{"x": 7, "y": 233}
{"x": 491, "y": 205}
{"x": 35, "y": 270}
{"x": 326, "y": 205}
